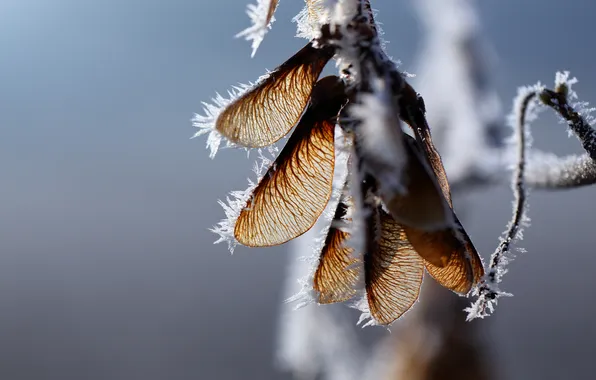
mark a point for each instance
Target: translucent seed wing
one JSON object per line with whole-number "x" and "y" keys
{"x": 436, "y": 244}
{"x": 393, "y": 273}
{"x": 266, "y": 113}
{"x": 475, "y": 260}
{"x": 336, "y": 277}
{"x": 423, "y": 205}
{"x": 464, "y": 268}
{"x": 436, "y": 163}
{"x": 405, "y": 181}
{"x": 414, "y": 116}
{"x": 294, "y": 191}
{"x": 422, "y": 209}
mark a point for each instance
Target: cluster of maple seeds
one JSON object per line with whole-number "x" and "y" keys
{"x": 405, "y": 229}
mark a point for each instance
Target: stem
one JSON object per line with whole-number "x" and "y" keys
{"x": 488, "y": 292}
{"x": 577, "y": 123}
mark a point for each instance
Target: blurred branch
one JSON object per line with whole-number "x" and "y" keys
{"x": 547, "y": 171}
{"x": 544, "y": 171}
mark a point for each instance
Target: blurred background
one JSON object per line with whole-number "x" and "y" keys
{"x": 107, "y": 268}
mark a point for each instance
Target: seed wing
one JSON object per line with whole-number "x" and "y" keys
{"x": 423, "y": 205}
{"x": 393, "y": 273}
{"x": 336, "y": 275}
{"x": 266, "y": 113}
{"x": 294, "y": 191}
{"x": 462, "y": 270}
{"x": 414, "y": 116}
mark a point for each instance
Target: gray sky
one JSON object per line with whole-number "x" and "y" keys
{"x": 106, "y": 266}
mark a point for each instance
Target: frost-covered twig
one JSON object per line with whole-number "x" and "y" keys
{"x": 548, "y": 171}
{"x": 488, "y": 291}
{"x": 545, "y": 170}
{"x": 578, "y": 122}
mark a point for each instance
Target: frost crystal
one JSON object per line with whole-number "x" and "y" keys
{"x": 586, "y": 134}
{"x": 311, "y": 18}
{"x": 237, "y": 200}
{"x": 261, "y": 16}
{"x": 206, "y": 122}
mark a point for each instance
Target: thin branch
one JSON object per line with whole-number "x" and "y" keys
{"x": 557, "y": 100}
{"x": 488, "y": 291}
{"x": 519, "y": 192}
{"x": 551, "y": 172}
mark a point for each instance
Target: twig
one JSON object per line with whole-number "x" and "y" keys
{"x": 488, "y": 291}
{"x": 557, "y": 100}
{"x": 547, "y": 171}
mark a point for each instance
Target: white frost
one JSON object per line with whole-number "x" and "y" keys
{"x": 237, "y": 200}
{"x": 380, "y": 137}
{"x": 260, "y": 23}
{"x": 311, "y": 18}
{"x": 206, "y": 122}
